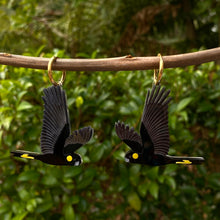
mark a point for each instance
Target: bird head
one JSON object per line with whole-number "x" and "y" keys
{"x": 133, "y": 157}
{"x": 73, "y": 159}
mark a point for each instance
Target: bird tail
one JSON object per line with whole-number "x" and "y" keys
{"x": 24, "y": 154}
{"x": 186, "y": 160}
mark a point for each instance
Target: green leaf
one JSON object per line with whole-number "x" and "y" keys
{"x": 103, "y": 97}
{"x": 161, "y": 178}
{"x": 134, "y": 170}
{"x": 68, "y": 212}
{"x": 202, "y": 170}
{"x": 7, "y": 122}
{"x": 152, "y": 173}
{"x": 83, "y": 205}
{"x": 109, "y": 104}
{"x": 86, "y": 178}
{"x": 154, "y": 189}
{"x": 45, "y": 206}
{"x": 31, "y": 205}
{"x": 134, "y": 201}
{"x": 184, "y": 115}
{"x": 183, "y": 103}
{"x": 119, "y": 155}
{"x": 213, "y": 181}
{"x": 74, "y": 199}
{"x": 49, "y": 180}
{"x": 39, "y": 51}
{"x": 5, "y": 21}
{"x": 142, "y": 189}
{"x": 20, "y": 216}
{"x": 21, "y": 94}
{"x": 23, "y": 194}
{"x": 134, "y": 174}
{"x": 24, "y": 105}
{"x": 171, "y": 182}
{"x": 70, "y": 101}
{"x": 29, "y": 175}
{"x": 172, "y": 121}
{"x": 27, "y": 85}
{"x": 70, "y": 199}
{"x": 189, "y": 190}
{"x": 7, "y": 216}
{"x": 170, "y": 169}
{"x": 96, "y": 153}
{"x": 4, "y": 208}
{"x": 204, "y": 106}
{"x": 122, "y": 183}
{"x": 125, "y": 110}
{"x": 9, "y": 183}
{"x": 5, "y": 109}
{"x": 71, "y": 172}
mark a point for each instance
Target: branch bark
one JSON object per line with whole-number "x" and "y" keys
{"x": 112, "y": 64}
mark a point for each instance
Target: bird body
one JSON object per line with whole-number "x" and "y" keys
{"x": 152, "y": 145}
{"x": 157, "y": 159}
{"x": 57, "y": 145}
{"x": 52, "y": 159}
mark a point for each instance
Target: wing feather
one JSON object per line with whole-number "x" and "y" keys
{"x": 78, "y": 138}
{"x": 56, "y": 125}
{"x": 129, "y": 136}
{"x": 155, "y": 119}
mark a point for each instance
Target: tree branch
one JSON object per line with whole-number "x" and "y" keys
{"x": 112, "y": 64}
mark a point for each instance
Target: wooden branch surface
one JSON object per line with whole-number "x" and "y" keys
{"x": 112, "y": 64}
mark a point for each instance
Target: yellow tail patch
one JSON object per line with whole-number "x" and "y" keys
{"x": 27, "y": 156}
{"x": 184, "y": 162}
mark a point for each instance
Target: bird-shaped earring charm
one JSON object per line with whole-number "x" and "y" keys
{"x": 152, "y": 145}
{"x": 57, "y": 145}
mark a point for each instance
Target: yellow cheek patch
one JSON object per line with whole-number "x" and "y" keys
{"x": 135, "y": 156}
{"x": 69, "y": 158}
{"x": 184, "y": 162}
{"x": 26, "y": 156}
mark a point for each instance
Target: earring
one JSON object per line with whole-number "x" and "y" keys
{"x": 58, "y": 146}
{"x": 152, "y": 145}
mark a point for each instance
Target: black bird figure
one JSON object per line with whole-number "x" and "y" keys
{"x": 152, "y": 145}
{"x": 57, "y": 145}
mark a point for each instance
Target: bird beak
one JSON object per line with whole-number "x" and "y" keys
{"x": 126, "y": 160}
{"x": 76, "y": 163}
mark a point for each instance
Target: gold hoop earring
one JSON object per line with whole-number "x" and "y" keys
{"x": 158, "y": 75}
{"x": 49, "y": 68}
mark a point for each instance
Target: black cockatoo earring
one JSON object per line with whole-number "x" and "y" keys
{"x": 152, "y": 145}
{"x": 57, "y": 145}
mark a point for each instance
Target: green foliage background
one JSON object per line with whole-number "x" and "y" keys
{"x": 105, "y": 187}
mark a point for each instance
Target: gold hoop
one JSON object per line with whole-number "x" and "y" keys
{"x": 158, "y": 76}
{"x": 49, "y": 68}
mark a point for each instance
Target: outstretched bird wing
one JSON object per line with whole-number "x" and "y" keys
{"x": 78, "y": 138}
{"x": 56, "y": 125}
{"x": 129, "y": 136}
{"x": 154, "y": 122}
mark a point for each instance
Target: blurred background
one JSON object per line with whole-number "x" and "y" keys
{"x": 105, "y": 187}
